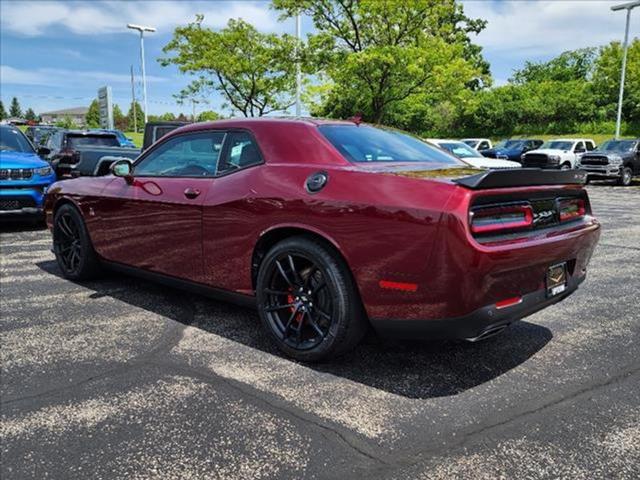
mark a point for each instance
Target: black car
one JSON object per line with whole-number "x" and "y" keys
{"x": 83, "y": 152}
{"x": 38, "y": 134}
{"x": 512, "y": 149}
{"x": 614, "y": 159}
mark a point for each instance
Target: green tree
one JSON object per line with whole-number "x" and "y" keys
{"x": 606, "y": 81}
{"x": 14, "y": 109}
{"x": 253, "y": 71}
{"x": 92, "y": 118}
{"x": 3, "y": 112}
{"x": 66, "y": 122}
{"x": 208, "y": 115}
{"x": 379, "y": 55}
{"x": 568, "y": 66}
{"x": 30, "y": 115}
{"x": 139, "y": 117}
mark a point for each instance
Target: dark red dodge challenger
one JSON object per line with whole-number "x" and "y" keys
{"x": 329, "y": 227}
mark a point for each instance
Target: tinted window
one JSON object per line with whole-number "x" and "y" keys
{"x": 471, "y": 143}
{"x": 460, "y": 150}
{"x": 590, "y": 146}
{"x": 92, "y": 140}
{"x": 483, "y": 146}
{"x": 557, "y": 145}
{"x": 190, "y": 155}
{"x": 240, "y": 151}
{"x": 370, "y": 144}
{"x": 579, "y": 147}
{"x": 618, "y": 146}
{"x": 12, "y": 140}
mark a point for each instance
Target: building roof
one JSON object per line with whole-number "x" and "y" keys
{"x": 68, "y": 111}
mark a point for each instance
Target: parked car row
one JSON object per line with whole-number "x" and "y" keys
{"x": 615, "y": 159}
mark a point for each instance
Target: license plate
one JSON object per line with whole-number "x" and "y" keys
{"x": 556, "y": 279}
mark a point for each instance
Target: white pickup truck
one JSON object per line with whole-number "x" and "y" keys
{"x": 562, "y": 153}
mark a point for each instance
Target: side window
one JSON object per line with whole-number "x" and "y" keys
{"x": 590, "y": 146}
{"x": 579, "y": 148}
{"x": 483, "y": 146}
{"x": 189, "y": 155}
{"x": 240, "y": 151}
{"x": 537, "y": 143}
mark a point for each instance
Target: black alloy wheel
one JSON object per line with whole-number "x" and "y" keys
{"x": 308, "y": 301}
{"x": 299, "y": 306}
{"x": 72, "y": 245}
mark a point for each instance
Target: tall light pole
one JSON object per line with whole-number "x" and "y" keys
{"x": 628, "y": 7}
{"x": 142, "y": 29}
{"x": 298, "y": 72}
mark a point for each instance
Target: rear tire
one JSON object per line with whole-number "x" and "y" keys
{"x": 308, "y": 301}
{"x": 626, "y": 177}
{"x": 72, "y": 246}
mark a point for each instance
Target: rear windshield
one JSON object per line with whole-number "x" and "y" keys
{"x": 371, "y": 144}
{"x": 12, "y": 140}
{"x": 92, "y": 140}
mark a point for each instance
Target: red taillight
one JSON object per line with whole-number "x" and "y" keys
{"x": 505, "y": 217}
{"x": 570, "y": 209}
{"x": 508, "y": 302}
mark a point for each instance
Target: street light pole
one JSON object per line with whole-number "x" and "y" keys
{"x": 628, "y": 7}
{"x": 298, "y": 72}
{"x": 142, "y": 29}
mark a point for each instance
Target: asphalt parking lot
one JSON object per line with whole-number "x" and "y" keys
{"x": 122, "y": 378}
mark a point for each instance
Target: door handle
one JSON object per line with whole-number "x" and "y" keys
{"x": 191, "y": 193}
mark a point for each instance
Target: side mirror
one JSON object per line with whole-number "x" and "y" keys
{"x": 43, "y": 151}
{"x": 124, "y": 169}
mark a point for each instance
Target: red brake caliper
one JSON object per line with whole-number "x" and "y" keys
{"x": 298, "y": 317}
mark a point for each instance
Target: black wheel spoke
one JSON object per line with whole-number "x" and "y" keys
{"x": 270, "y": 291}
{"x": 274, "y": 308}
{"x": 318, "y": 287}
{"x": 290, "y": 321}
{"x": 315, "y": 326}
{"x": 65, "y": 228}
{"x": 284, "y": 274}
{"x": 296, "y": 275}
{"x": 323, "y": 314}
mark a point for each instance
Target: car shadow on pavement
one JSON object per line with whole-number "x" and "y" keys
{"x": 411, "y": 369}
{"x": 16, "y": 226}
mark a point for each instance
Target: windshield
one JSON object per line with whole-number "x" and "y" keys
{"x": 371, "y": 144}
{"x": 510, "y": 144}
{"x": 92, "y": 140}
{"x": 12, "y": 140}
{"x": 460, "y": 150}
{"x": 618, "y": 146}
{"x": 471, "y": 143}
{"x": 557, "y": 145}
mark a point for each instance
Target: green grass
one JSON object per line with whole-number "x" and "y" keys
{"x": 136, "y": 137}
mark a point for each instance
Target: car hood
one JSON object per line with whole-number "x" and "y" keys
{"x": 608, "y": 153}
{"x": 548, "y": 151}
{"x": 491, "y": 163}
{"x": 21, "y": 160}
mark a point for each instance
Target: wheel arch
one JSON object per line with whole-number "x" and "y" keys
{"x": 276, "y": 234}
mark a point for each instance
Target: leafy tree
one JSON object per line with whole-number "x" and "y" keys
{"x": 182, "y": 118}
{"x": 253, "y": 71}
{"x": 120, "y": 121}
{"x": 3, "y": 112}
{"x": 92, "y": 118}
{"x": 66, "y": 122}
{"x": 208, "y": 115}
{"x": 30, "y": 115}
{"x": 606, "y": 81}
{"x": 139, "y": 117}
{"x": 568, "y": 66}
{"x": 380, "y": 54}
{"x": 14, "y": 109}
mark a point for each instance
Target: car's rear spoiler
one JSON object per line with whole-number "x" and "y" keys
{"x": 522, "y": 177}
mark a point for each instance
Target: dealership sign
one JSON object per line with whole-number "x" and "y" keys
{"x": 106, "y": 107}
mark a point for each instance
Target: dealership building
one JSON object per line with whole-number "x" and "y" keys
{"x": 76, "y": 114}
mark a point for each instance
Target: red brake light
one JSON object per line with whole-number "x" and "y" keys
{"x": 570, "y": 209}
{"x": 506, "y": 217}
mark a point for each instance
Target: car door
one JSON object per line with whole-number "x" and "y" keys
{"x": 578, "y": 150}
{"x": 154, "y": 220}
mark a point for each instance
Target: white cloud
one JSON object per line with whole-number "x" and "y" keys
{"x": 59, "y": 77}
{"x": 101, "y": 17}
{"x": 545, "y": 28}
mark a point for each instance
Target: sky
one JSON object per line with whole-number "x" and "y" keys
{"x": 55, "y": 54}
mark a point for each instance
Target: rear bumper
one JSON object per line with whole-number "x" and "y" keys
{"x": 477, "y": 325}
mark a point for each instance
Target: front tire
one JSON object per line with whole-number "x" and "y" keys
{"x": 626, "y": 177}
{"x": 72, "y": 246}
{"x": 565, "y": 166}
{"x": 308, "y": 301}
